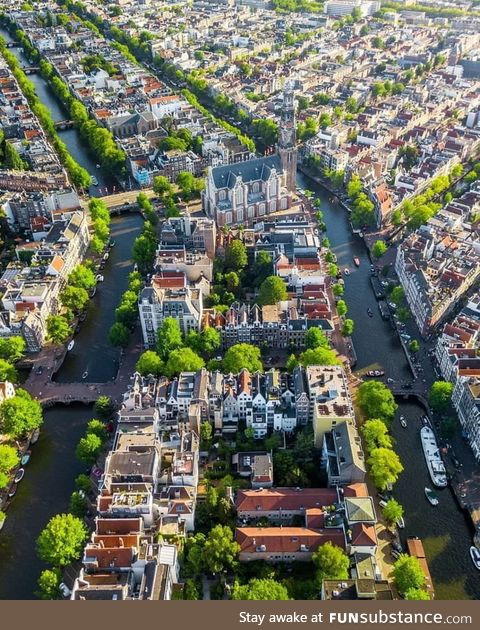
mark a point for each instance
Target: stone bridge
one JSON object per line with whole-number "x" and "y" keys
{"x": 411, "y": 393}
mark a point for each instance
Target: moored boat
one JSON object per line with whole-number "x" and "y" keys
{"x": 356, "y": 260}
{"x": 435, "y": 465}
{"x": 431, "y": 496}
{"x": 70, "y": 345}
{"x": 13, "y": 491}
{"x": 35, "y": 436}
{"x": 105, "y": 256}
{"x": 346, "y": 271}
{"x": 94, "y": 181}
{"x": 475, "y": 556}
{"x": 369, "y": 312}
{"x": 375, "y": 373}
{"x": 395, "y": 554}
{"x": 401, "y": 522}
{"x": 85, "y": 374}
{"x": 20, "y": 475}
{"x": 403, "y": 423}
{"x": 92, "y": 292}
{"x": 25, "y": 458}
{"x": 3, "y": 518}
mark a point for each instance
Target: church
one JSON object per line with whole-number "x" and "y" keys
{"x": 245, "y": 192}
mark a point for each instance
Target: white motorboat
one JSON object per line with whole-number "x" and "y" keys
{"x": 431, "y": 496}
{"x": 99, "y": 277}
{"x": 435, "y": 465}
{"x": 401, "y": 522}
{"x": 94, "y": 181}
{"x": 35, "y": 436}
{"x": 25, "y": 458}
{"x": 70, "y": 345}
{"x": 20, "y": 475}
{"x": 85, "y": 374}
{"x": 475, "y": 556}
{"x": 346, "y": 271}
{"x": 403, "y": 422}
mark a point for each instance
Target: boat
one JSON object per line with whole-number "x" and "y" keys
{"x": 20, "y": 475}
{"x": 375, "y": 373}
{"x": 70, "y": 345}
{"x": 13, "y": 491}
{"x": 94, "y": 181}
{"x": 356, "y": 260}
{"x": 383, "y": 308}
{"x": 475, "y": 556}
{"x": 401, "y": 522}
{"x": 99, "y": 277}
{"x": 105, "y": 256}
{"x": 85, "y": 374}
{"x": 3, "y": 518}
{"x": 35, "y": 436}
{"x": 426, "y": 420}
{"x": 92, "y": 292}
{"x": 382, "y": 503}
{"x": 435, "y": 465}
{"x": 403, "y": 423}
{"x": 369, "y": 312}
{"x": 346, "y": 271}
{"x": 98, "y": 165}
{"x": 25, "y": 458}
{"x": 83, "y": 316}
{"x": 431, "y": 496}
{"x": 112, "y": 244}
{"x": 397, "y": 546}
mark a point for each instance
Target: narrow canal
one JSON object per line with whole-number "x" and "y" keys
{"x": 445, "y": 530}
{"x": 50, "y": 475}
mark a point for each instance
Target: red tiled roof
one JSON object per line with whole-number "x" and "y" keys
{"x": 286, "y": 539}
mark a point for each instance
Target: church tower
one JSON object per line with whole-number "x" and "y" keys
{"x": 287, "y": 138}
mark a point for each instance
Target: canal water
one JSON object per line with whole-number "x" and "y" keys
{"x": 444, "y": 530}
{"x": 50, "y": 474}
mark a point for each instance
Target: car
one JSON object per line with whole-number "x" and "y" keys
{"x": 392, "y": 305}
{"x": 64, "y": 590}
{"x": 39, "y": 370}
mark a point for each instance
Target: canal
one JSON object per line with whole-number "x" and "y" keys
{"x": 49, "y": 479}
{"x": 445, "y": 530}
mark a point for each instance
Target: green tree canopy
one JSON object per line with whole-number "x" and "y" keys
{"x": 9, "y": 458}
{"x": 393, "y": 511}
{"x": 58, "y": 328}
{"x": 258, "y": 589}
{"x": 376, "y": 400}
{"x": 149, "y": 363}
{"x": 319, "y": 356}
{"x": 375, "y": 434}
{"x": 272, "y": 290}
{"x": 416, "y": 594}
{"x": 440, "y": 395}
{"x": 82, "y": 277}
{"x": 62, "y": 540}
{"x": 98, "y": 428}
{"x": 12, "y": 349}
{"x": 7, "y": 372}
{"x": 183, "y": 360}
{"x": 169, "y": 337}
{"x": 242, "y": 355}
{"x": 385, "y": 467}
{"x": 331, "y": 561}
{"x": 49, "y": 584}
{"x": 220, "y": 549}
{"x": 379, "y": 249}
{"x": 88, "y": 448}
{"x": 104, "y": 407}
{"x": 119, "y": 335}
{"x": 316, "y": 338}
{"x": 20, "y": 414}
{"x": 235, "y": 256}
{"x": 408, "y": 574}
{"x": 161, "y": 186}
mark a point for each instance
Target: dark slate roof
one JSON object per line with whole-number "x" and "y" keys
{"x": 250, "y": 170}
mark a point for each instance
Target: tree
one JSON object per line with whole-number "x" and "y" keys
{"x": 272, "y": 290}
{"x": 316, "y": 338}
{"x": 206, "y": 435}
{"x": 262, "y": 268}
{"x": 379, "y": 248}
{"x": 376, "y": 400}
{"x": 119, "y": 335}
{"x": 375, "y": 434}
{"x": 143, "y": 252}
{"x": 104, "y": 407}
{"x": 408, "y": 573}
{"x": 331, "y": 562}
{"x": 242, "y": 355}
{"x": 169, "y": 337}
{"x": 9, "y": 458}
{"x": 385, "y": 466}
{"x": 347, "y": 327}
{"x": 236, "y": 256}
{"x": 318, "y": 356}
{"x": 12, "y": 349}
{"x": 62, "y": 540}
{"x": 88, "y": 448}
{"x": 58, "y": 328}
{"x": 20, "y": 414}
{"x": 183, "y": 360}
{"x": 98, "y": 428}
{"x": 258, "y": 589}
{"x": 287, "y": 470}
{"x": 291, "y": 363}
{"x": 393, "y": 511}
{"x": 418, "y": 594}
{"x": 149, "y": 363}
{"x": 204, "y": 343}
{"x": 161, "y": 186}
{"x": 82, "y": 277}
{"x": 74, "y": 298}
{"x": 342, "y": 308}
{"x": 78, "y": 505}
{"x": 440, "y": 395}
{"x": 220, "y": 549}
{"x": 338, "y": 289}
{"x": 83, "y": 483}
{"x": 397, "y": 295}
{"x": 7, "y": 372}
{"x": 266, "y": 130}
{"x": 49, "y": 584}
{"x": 414, "y": 346}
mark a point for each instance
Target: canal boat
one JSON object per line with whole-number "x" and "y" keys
{"x": 356, "y": 260}
{"x": 431, "y": 496}
{"x": 474, "y": 555}
{"x": 105, "y": 256}
{"x": 369, "y": 312}
{"x": 426, "y": 420}
{"x": 20, "y": 475}
{"x": 375, "y": 373}
{"x": 382, "y": 503}
{"x": 435, "y": 465}
{"x": 99, "y": 277}
{"x": 3, "y": 518}
{"x": 70, "y": 345}
{"x": 98, "y": 165}
{"x": 395, "y": 554}
{"x": 35, "y": 436}
{"x": 403, "y": 423}
{"x": 401, "y": 522}
{"x": 13, "y": 491}
{"x": 383, "y": 308}
{"x": 94, "y": 181}
{"x": 397, "y": 545}
{"x": 92, "y": 292}
{"x": 25, "y": 458}
{"x": 85, "y": 374}
{"x": 112, "y": 244}
{"x": 346, "y": 271}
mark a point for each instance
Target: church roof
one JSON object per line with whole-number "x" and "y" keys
{"x": 250, "y": 170}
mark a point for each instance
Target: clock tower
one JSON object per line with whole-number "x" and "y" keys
{"x": 287, "y": 139}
